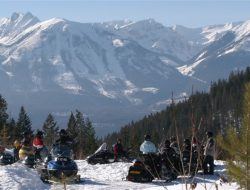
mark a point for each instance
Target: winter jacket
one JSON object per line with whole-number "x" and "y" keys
{"x": 209, "y": 148}
{"x": 25, "y": 151}
{"x": 175, "y": 146}
{"x": 118, "y": 149}
{"x": 148, "y": 147}
{"x": 38, "y": 143}
{"x": 65, "y": 140}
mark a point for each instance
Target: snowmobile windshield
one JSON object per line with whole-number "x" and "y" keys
{"x": 61, "y": 151}
{"x": 101, "y": 148}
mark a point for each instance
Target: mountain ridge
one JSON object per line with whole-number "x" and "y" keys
{"x": 131, "y": 67}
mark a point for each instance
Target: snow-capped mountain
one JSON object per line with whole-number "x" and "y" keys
{"x": 113, "y": 71}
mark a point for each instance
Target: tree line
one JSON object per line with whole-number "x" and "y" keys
{"x": 79, "y": 128}
{"x": 206, "y": 111}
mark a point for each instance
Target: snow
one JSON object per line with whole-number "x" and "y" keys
{"x": 105, "y": 177}
{"x": 118, "y": 43}
{"x": 67, "y": 81}
{"x": 189, "y": 69}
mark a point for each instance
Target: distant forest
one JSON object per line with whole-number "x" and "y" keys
{"x": 215, "y": 111}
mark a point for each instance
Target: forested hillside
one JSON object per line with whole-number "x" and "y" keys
{"x": 215, "y": 111}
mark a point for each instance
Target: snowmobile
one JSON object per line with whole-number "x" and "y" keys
{"x": 101, "y": 156}
{"x": 59, "y": 166}
{"x": 138, "y": 173}
{"x": 104, "y": 156}
{"x": 7, "y": 157}
{"x": 149, "y": 168}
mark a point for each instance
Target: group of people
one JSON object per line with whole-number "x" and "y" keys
{"x": 190, "y": 151}
{"x": 172, "y": 153}
{"x": 35, "y": 146}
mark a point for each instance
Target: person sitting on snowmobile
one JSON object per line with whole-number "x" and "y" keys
{"x": 174, "y": 144}
{"x": 26, "y": 150}
{"x": 27, "y": 138}
{"x": 170, "y": 159}
{"x": 209, "y": 154}
{"x": 118, "y": 150}
{"x": 147, "y": 146}
{"x": 149, "y": 157}
{"x": 17, "y": 147}
{"x": 38, "y": 144}
{"x": 64, "y": 138}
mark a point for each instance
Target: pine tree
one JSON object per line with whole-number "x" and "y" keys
{"x": 71, "y": 127}
{"x": 50, "y": 130}
{"x": 4, "y": 136}
{"x": 237, "y": 144}
{"x": 91, "y": 143}
{"x": 3, "y": 112}
{"x": 12, "y": 131}
{"x": 23, "y": 123}
{"x": 81, "y": 136}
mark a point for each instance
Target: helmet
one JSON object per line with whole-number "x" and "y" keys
{"x": 63, "y": 132}
{"x": 167, "y": 143}
{"x": 17, "y": 143}
{"x": 173, "y": 138}
{"x": 147, "y": 137}
{"x": 187, "y": 141}
{"x": 209, "y": 133}
{"x": 39, "y": 133}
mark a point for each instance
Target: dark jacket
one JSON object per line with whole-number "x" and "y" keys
{"x": 65, "y": 140}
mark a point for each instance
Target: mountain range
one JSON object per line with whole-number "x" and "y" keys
{"x": 114, "y": 71}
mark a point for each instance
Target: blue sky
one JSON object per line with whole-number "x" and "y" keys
{"x": 187, "y": 13}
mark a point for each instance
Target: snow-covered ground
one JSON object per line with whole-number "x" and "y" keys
{"x": 107, "y": 176}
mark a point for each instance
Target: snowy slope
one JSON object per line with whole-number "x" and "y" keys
{"x": 115, "y": 71}
{"x": 69, "y": 65}
{"x": 226, "y": 50}
{"x": 109, "y": 177}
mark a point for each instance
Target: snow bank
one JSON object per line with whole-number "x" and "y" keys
{"x": 104, "y": 177}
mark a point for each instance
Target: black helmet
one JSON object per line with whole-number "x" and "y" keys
{"x": 63, "y": 132}
{"x": 39, "y": 134}
{"x": 187, "y": 142}
{"x": 173, "y": 138}
{"x": 147, "y": 137}
{"x": 209, "y": 133}
{"x": 167, "y": 143}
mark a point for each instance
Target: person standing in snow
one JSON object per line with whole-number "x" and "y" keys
{"x": 147, "y": 146}
{"x": 174, "y": 144}
{"x": 209, "y": 154}
{"x": 118, "y": 150}
{"x": 38, "y": 144}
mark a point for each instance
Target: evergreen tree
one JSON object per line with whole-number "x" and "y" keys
{"x": 72, "y": 127}
{"x": 91, "y": 143}
{"x": 50, "y": 130}
{"x": 4, "y": 136}
{"x": 12, "y": 131}
{"x": 23, "y": 123}
{"x": 237, "y": 144}
{"x": 81, "y": 136}
{"x": 3, "y": 112}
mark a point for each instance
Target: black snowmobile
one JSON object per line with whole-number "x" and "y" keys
{"x": 149, "y": 168}
{"x": 59, "y": 166}
{"x": 6, "y": 158}
{"x": 101, "y": 156}
{"x": 104, "y": 156}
